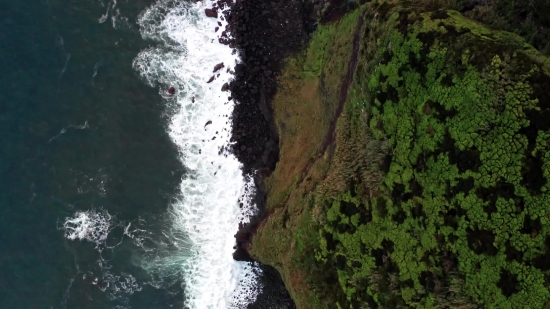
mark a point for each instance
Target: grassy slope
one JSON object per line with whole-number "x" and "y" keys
{"x": 304, "y": 106}
{"x": 434, "y": 193}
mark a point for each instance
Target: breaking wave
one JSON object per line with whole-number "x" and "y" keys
{"x": 95, "y": 226}
{"x": 214, "y": 197}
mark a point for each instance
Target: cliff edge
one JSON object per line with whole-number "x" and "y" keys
{"x": 413, "y": 163}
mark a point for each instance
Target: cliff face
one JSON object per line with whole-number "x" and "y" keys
{"x": 414, "y": 165}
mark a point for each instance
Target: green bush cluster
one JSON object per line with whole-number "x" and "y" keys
{"x": 524, "y": 17}
{"x": 462, "y": 218}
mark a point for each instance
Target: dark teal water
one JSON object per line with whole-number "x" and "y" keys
{"x": 79, "y": 131}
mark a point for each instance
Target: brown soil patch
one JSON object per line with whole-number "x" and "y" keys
{"x": 306, "y": 120}
{"x": 302, "y": 123}
{"x": 306, "y": 110}
{"x": 299, "y": 285}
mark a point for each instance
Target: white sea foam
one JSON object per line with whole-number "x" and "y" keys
{"x": 93, "y": 226}
{"x": 207, "y": 209}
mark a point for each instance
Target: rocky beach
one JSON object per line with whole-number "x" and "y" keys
{"x": 264, "y": 34}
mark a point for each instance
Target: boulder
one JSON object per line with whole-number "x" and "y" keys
{"x": 211, "y": 13}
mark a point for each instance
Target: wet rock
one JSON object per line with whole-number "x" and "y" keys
{"x": 218, "y": 67}
{"x": 264, "y": 34}
{"x": 274, "y": 293}
{"x": 211, "y": 13}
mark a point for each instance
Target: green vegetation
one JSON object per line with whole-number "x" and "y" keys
{"x": 304, "y": 106}
{"x": 435, "y": 192}
{"x": 306, "y": 102}
{"x": 464, "y": 199}
{"x": 528, "y": 18}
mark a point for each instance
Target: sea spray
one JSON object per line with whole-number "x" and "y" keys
{"x": 95, "y": 226}
{"x": 214, "y": 196}
{"x": 92, "y": 225}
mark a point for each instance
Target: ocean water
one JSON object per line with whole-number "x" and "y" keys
{"x": 113, "y": 192}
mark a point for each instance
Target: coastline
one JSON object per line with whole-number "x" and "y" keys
{"x": 254, "y": 133}
{"x": 263, "y": 41}
{"x": 256, "y": 78}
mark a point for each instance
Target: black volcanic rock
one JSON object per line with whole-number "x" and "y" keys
{"x": 264, "y": 33}
{"x": 218, "y": 67}
{"x": 211, "y": 13}
{"x": 274, "y": 295}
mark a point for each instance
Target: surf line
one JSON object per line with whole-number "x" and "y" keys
{"x": 191, "y": 69}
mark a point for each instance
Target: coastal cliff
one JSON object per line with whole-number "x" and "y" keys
{"x": 413, "y": 160}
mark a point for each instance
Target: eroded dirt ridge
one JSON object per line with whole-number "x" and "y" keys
{"x": 329, "y": 138}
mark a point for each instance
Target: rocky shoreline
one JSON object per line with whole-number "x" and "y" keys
{"x": 264, "y": 33}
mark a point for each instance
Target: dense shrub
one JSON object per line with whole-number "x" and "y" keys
{"x": 462, "y": 218}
